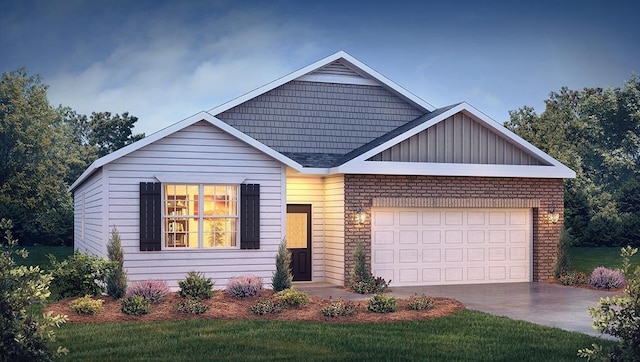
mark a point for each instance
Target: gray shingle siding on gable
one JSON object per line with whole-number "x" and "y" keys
{"x": 314, "y": 122}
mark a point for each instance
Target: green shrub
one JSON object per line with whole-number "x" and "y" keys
{"x": 292, "y": 297}
{"x": 116, "y": 278}
{"x": 191, "y": 305}
{"x": 420, "y": 302}
{"x": 78, "y": 275}
{"x": 573, "y": 278}
{"x": 135, "y": 305}
{"x": 381, "y": 303}
{"x": 619, "y": 316}
{"x": 195, "y": 285}
{"x": 282, "y": 277}
{"x": 23, "y": 336}
{"x": 267, "y": 306}
{"x": 339, "y": 308}
{"x": 561, "y": 265}
{"x": 86, "y": 305}
{"x": 363, "y": 281}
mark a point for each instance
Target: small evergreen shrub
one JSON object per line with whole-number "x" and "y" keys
{"x": 561, "y": 266}
{"x": 191, "y": 305}
{"x": 605, "y": 278}
{"x": 154, "y": 291}
{"x": 195, "y": 285}
{"x": 339, "y": 308}
{"x": 244, "y": 286}
{"x": 78, "y": 275}
{"x": 267, "y": 306}
{"x": 420, "y": 302}
{"x": 292, "y": 297}
{"x": 86, "y": 305}
{"x": 282, "y": 277}
{"x": 381, "y": 303}
{"x": 116, "y": 277}
{"x": 135, "y": 305}
{"x": 573, "y": 278}
{"x": 363, "y": 281}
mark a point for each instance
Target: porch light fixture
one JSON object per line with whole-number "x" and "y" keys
{"x": 360, "y": 216}
{"x": 554, "y": 215}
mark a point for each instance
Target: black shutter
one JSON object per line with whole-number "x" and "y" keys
{"x": 150, "y": 216}
{"x": 249, "y": 216}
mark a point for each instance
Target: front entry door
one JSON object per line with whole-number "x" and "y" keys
{"x": 299, "y": 241}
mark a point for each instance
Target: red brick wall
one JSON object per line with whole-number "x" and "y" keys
{"x": 361, "y": 189}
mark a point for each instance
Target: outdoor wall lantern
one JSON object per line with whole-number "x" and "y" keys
{"x": 360, "y": 216}
{"x": 554, "y": 215}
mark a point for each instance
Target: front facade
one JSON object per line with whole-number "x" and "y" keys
{"x": 327, "y": 157}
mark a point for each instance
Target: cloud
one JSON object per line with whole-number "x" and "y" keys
{"x": 170, "y": 72}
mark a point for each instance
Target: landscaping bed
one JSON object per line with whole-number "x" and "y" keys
{"x": 224, "y": 306}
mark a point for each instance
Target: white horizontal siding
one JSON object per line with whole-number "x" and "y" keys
{"x": 88, "y": 202}
{"x": 203, "y": 150}
{"x": 310, "y": 190}
{"x": 334, "y": 229}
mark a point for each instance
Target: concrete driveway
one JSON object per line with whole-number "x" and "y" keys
{"x": 541, "y": 303}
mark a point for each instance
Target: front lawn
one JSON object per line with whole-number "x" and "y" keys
{"x": 38, "y": 255}
{"x": 467, "y": 335}
{"x": 585, "y": 259}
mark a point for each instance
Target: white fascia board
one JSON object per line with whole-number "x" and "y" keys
{"x": 454, "y": 169}
{"x": 136, "y": 146}
{"x": 415, "y": 130}
{"x": 251, "y": 141}
{"x": 359, "y": 66}
{"x": 357, "y": 162}
{"x": 201, "y": 116}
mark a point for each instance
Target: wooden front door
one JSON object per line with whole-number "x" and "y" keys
{"x": 299, "y": 240}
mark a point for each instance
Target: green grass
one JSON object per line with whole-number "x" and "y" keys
{"x": 464, "y": 336}
{"x": 586, "y": 259}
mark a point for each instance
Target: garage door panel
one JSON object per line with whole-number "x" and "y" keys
{"x": 408, "y": 236}
{"x": 431, "y": 237}
{"x": 408, "y": 256}
{"x": 451, "y": 246}
{"x": 408, "y": 218}
{"x": 383, "y": 237}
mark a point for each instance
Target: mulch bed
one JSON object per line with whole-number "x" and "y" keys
{"x": 225, "y": 307}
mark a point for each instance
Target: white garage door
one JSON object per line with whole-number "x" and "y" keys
{"x": 413, "y": 246}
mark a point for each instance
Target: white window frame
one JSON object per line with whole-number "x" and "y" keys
{"x": 200, "y": 217}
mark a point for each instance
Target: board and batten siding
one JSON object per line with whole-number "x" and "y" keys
{"x": 200, "y": 150}
{"x": 458, "y": 139}
{"x": 310, "y": 190}
{"x": 89, "y": 214}
{"x": 334, "y": 229}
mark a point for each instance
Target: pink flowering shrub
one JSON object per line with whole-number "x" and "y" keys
{"x": 605, "y": 278}
{"x": 244, "y": 286}
{"x": 152, "y": 290}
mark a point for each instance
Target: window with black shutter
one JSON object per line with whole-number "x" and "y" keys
{"x": 250, "y": 216}
{"x": 150, "y": 216}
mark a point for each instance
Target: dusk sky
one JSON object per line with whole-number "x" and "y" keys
{"x": 163, "y": 61}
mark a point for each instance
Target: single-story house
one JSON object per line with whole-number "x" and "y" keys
{"x": 328, "y": 156}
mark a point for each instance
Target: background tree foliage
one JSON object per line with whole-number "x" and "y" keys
{"x": 42, "y": 151}
{"x": 596, "y": 132}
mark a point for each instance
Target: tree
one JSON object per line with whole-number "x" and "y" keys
{"x": 595, "y": 132}
{"x": 104, "y": 133}
{"x": 282, "y": 277}
{"x": 116, "y": 278}
{"x": 23, "y": 337}
{"x": 34, "y": 155}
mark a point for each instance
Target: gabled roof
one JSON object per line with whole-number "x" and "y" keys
{"x": 359, "y": 160}
{"x": 342, "y": 56}
{"x": 375, "y": 135}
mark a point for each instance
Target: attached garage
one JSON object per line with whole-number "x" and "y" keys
{"x": 430, "y": 246}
